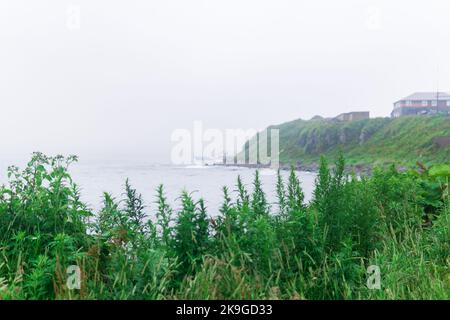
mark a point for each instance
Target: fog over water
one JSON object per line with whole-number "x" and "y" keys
{"x": 104, "y": 79}
{"x": 205, "y": 182}
{"x": 96, "y": 177}
{"x": 110, "y": 81}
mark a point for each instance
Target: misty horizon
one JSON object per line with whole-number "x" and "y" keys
{"x": 102, "y": 79}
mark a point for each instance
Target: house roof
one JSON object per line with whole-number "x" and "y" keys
{"x": 427, "y": 96}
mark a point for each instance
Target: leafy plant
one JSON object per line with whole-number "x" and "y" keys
{"x": 396, "y": 220}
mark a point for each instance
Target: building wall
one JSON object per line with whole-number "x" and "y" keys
{"x": 353, "y": 116}
{"x": 413, "y": 110}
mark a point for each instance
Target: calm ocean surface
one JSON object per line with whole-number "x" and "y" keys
{"x": 97, "y": 177}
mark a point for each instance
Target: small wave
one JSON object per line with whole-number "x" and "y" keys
{"x": 197, "y": 166}
{"x": 267, "y": 172}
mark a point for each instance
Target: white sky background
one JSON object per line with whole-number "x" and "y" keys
{"x": 136, "y": 70}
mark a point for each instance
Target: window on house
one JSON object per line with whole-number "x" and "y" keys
{"x": 425, "y": 103}
{"x": 434, "y": 103}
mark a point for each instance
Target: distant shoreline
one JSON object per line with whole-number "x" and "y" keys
{"x": 314, "y": 167}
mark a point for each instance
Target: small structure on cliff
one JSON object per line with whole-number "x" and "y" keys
{"x": 353, "y": 116}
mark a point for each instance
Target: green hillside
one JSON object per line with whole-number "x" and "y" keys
{"x": 368, "y": 142}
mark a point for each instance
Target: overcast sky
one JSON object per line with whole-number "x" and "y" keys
{"x": 121, "y": 76}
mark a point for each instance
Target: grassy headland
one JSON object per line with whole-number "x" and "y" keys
{"x": 371, "y": 142}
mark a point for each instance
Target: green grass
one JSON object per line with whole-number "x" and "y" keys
{"x": 370, "y": 142}
{"x": 399, "y": 222}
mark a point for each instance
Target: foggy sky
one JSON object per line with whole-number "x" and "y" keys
{"x": 135, "y": 71}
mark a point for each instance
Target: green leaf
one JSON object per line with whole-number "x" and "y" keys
{"x": 441, "y": 170}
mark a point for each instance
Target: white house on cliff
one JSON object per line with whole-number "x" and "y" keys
{"x": 422, "y": 103}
